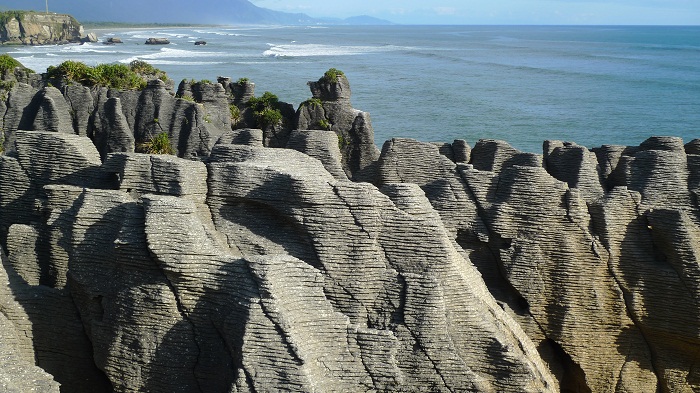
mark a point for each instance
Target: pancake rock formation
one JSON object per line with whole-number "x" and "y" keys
{"x": 305, "y": 260}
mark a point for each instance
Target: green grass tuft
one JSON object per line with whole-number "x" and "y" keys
{"x": 117, "y": 76}
{"x": 9, "y": 63}
{"x": 332, "y": 75}
{"x": 159, "y": 144}
{"x": 312, "y": 102}
{"x": 235, "y": 113}
{"x": 266, "y": 110}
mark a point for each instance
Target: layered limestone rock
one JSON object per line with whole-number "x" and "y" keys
{"x": 19, "y": 372}
{"x": 223, "y": 305}
{"x": 33, "y": 28}
{"x": 194, "y": 118}
{"x": 119, "y": 121}
{"x": 238, "y": 267}
{"x": 330, "y": 109}
{"x": 586, "y": 241}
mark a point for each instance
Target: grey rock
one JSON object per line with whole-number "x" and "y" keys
{"x": 258, "y": 269}
{"x": 639, "y": 241}
{"x": 321, "y": 145}
{"x": 57, "y": 158}
{"x": 16, "y": 196}
{"x": 461, "y": 150}
{"x": 458, "y": 151}
{"x": 40, "y": 314}
{"x": 110, "y": 132}
{"x": 34, "y": 28}
{"x": 157, "y": 41}
{"x": 22, "y": 249}
{"x": 20, "y": 113}
{"x": 693, "y": 147}
{"x": 542, "y": 228}
{"x": 304, "y": 188}
{"x": 112, "y": 276}
{"x": 53, "y": 113}
{"x": 82, "y": 106}
{"x": 216, "y": 107}
{"x": 576, "y": 166}
{"x": 668, "y": 143}
{"x": 608, "y": 159}
{"x": 327, "y": 90}
{"x": 242, "y": 136}
{"x": 353, "y": 127}
{"x": 242, "y": 91}
{"x": 661, "y": 176}
{"x": 141, "y": 174}
{"x": 494, "y": 155}
{"x": 89, "y": 37}
{"x": 157, "y": 111}
{"x": 18, "y": 373}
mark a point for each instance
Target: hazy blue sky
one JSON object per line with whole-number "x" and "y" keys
{"x": 684, "y": 12}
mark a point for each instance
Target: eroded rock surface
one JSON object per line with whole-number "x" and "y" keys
{"x": 238, "y": 267}
{"x": 34, "y": 28}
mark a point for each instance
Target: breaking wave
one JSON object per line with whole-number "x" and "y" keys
{"x": 314, "y": 50}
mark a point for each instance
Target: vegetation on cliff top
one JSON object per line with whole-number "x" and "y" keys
{"x": 332, "y": 75}
{"x": 266, "y": 110}
{"x": 8, "y": 63}
{"x": 142, "y": 68}
{"x": 313, "y": 102}
{"x": 117, "y": 76}
{"x": 6, "y": 16}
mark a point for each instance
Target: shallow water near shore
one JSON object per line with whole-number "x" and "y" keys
{"x": 523, "y": 84}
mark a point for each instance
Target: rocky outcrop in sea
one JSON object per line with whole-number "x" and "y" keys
{"x": 298, "y": 257}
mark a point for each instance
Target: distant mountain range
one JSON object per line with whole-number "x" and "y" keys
{"x": 179, "y": 11}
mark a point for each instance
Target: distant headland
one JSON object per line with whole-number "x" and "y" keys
{"x": 35, "y": 28}
{"x": 187, "y": 12}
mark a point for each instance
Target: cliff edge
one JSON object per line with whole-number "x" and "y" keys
{"x": 33, "y": 28}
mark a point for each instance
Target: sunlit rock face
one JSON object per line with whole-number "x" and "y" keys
{"x": 234, "y": 266}
{"x": 33, "y": 28}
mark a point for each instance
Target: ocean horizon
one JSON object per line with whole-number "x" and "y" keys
{"x": 592, "y": 85}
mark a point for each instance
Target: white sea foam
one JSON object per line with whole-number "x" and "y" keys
{"x": 174, "y": 62}
{"x": 315, "y": 50}
{"x": 86, "y": 48}
{"x": 39, "y": 64}
{"x": 179, "y": 53}
{"x": 165, "y": 56}
{"x": 221, "y": 33}
{"x": 146, "y": 34}
{"x": 176, "y": 35}
{"x": 141, "y": 36}
{"x": 267, "y": 62}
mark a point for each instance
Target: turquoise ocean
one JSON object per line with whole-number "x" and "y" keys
{"x": 592, "y": 85}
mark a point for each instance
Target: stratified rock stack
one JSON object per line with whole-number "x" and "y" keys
{"x": 330, "y": 109}
{"x": 238, "y": 267}
{"x": 594, "y": 263}
{"x": 119, "y": 120}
